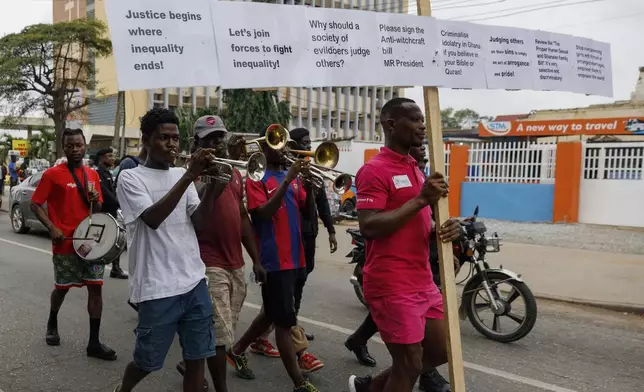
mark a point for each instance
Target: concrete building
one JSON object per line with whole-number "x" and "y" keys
{"x": 329, "y": 112}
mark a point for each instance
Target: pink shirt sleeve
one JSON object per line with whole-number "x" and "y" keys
{"x": 255, "y": 194}
{"x": 371, "y": 188}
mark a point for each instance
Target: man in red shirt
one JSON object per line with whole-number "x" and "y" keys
{"x": 394, "y": 212}
{"x": 69, "y": 189}
{"x": 221, "y": 251}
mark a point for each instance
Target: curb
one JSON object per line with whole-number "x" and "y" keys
{"x": 613, "y": 306}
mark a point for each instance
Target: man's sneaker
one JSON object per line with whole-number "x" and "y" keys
{"x": 306, "y": 387}
{"x": 264, "y": 347}
{"x": 432, "y": 381}
{"x": 359, "y": 384}
{"x": 309, "y": 363}
{"x": 240, "y": 363}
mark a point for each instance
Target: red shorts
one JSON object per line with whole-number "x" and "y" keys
{"x": 401, "y": 317}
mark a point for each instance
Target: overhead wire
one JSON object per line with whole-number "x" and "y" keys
{"x": 539, "y": 7}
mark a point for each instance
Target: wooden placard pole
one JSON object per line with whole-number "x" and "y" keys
{"x": 441, "y": 213}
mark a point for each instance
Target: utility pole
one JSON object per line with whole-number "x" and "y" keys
{"x": 120, "y": 102}
{"x": 441, "y": 212}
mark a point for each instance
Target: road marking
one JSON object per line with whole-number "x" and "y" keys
{"x": 107, "y": 267}
{"x": 345, "y": 331}
{"x": 473, "y": 366}
{"x": 27, "y": 247}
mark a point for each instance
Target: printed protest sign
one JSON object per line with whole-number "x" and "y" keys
{"x": 510, "y": 57}
{"x": 162, "y": 43}
{"x": 462, "y": 51}
{"x": 260, "y": 48}
{"x": 554, "y": 63}
{"x": 592, "y": 69}
{"x": 409, "y": 50}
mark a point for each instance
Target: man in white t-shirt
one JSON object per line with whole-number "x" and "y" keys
{"x": 161, "y": 209}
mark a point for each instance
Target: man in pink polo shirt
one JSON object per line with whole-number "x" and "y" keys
{"x": 395, "y": 219}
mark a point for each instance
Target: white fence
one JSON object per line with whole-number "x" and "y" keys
{"x": 447, "y": 151}
{"x": 612, "y": 184}
{"x": 512, "y": 162}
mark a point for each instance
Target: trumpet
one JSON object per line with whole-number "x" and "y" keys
{"x": 277, "y": 137}
{"x": 341, "y": 181}
{"x": 255, "y": 167}
{"x": 325, "y": 158}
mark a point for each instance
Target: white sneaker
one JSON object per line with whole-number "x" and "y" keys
{"x": 352, "y": 384}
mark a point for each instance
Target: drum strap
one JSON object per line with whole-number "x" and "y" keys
{"x": 81, "y": 189}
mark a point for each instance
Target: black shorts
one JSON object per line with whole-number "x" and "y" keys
{"x": 278, "y": 294}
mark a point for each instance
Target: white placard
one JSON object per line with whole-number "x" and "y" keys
{"x": 463, "y": 48}
{"x": 257, "y": 47}
{"x": 162, "y": 43}
{"x": 343, "y": 47}
{"x": 509, "y": 58}
{"x": 555, "y": 59}
{"x": 592, "y": 69}
{"x": 409, "y": 50}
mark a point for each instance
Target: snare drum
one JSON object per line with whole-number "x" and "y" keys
{"x": 102, "y": 242}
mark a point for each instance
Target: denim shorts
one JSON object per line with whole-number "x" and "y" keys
{"x": 189, "y": 315}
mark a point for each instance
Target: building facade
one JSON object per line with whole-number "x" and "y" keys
{"x": 329, "y": 112}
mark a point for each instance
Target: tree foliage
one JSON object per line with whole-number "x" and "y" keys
{"x": 39, "y": 144}
{"x": 45, "y": 67}
{"x": 462, "y": 118}
{"x": 252, "y": 111}
{"x": 6, "y": 144}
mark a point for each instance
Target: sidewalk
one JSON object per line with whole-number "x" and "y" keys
{"x": 610, "y": 280}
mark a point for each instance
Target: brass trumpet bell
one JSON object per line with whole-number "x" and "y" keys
{"x": 342, "y": 183}
{"x": 277, "y": 137}
{"x": 326, "y": 155}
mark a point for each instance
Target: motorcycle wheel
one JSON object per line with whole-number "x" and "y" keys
{"x": 357, "y": 272}
{"x": 519, "y": 289}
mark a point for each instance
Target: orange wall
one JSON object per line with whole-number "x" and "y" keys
{"x": 457, "y": 175}
{"x": 567, "y": 182}
{"x": 370, "y": 153}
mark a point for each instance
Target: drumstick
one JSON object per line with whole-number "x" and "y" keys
{"x": 79, "y": 239}
{"x": 90, "y": 188}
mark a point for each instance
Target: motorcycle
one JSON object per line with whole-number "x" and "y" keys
{"x": 483, "y": 293}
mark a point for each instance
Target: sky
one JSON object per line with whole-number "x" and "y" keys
{"x": 618, "y": 22}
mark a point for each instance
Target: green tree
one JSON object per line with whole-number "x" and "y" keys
{"x": 447, "y": 119}
{"x": 5, "y": 145}
{"x": 252, "y": 111}
{"x": 39, "y": 145}
{"x": 461, "y": 118}
{"x": 46, "y": 67}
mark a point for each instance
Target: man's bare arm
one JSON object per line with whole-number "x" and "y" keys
{"x": 378, "y": 223}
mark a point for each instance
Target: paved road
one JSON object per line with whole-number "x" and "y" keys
{"x": 572, "y": 349}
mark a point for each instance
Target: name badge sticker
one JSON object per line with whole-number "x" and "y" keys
{"x": 401, "y": 181}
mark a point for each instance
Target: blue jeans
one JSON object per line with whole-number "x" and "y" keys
{"x": 189, "y": 315}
